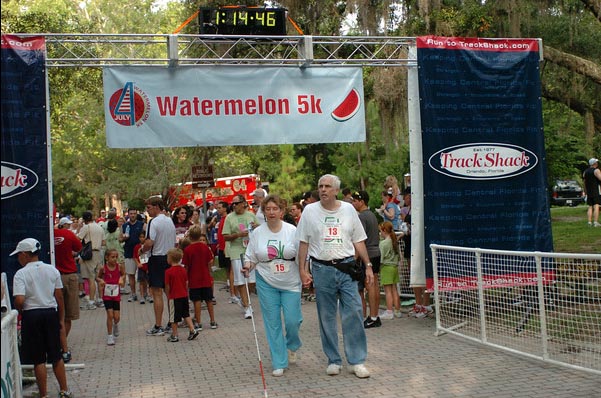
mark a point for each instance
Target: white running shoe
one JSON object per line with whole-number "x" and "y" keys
{"x": 110, "y": 340}
{"x": 248, "y": 313}
{"x": 333, "y": 369}
{"x": 387, "y": 315}
{"x": 359, "y": 370}
{"x": 277, "y": 372}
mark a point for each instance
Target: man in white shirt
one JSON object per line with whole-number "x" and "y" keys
{"x": 160, "y": 237}
{"x": 331, "y": 234}
{"x": 37, "y": 289}
{"x": 92, "y": 232}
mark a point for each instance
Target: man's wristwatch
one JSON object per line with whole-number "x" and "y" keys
{"x": 368, "y": 265}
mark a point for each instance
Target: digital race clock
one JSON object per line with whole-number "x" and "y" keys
{"x": 242, "y": 20}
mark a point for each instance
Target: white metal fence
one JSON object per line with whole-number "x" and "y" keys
{"x": 542, "y": 305}
{"x": 11, "y": 364}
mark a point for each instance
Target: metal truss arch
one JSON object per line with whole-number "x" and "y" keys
{"x": 107, "y": 50}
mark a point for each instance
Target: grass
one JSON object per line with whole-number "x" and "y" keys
{"x": 571, "y": 233}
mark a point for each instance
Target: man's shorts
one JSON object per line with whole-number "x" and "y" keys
{"x": 71, "y": 296}
{"x": 224, "y": 262}
{"x": 89, "y": 268}
{"x": 239, "y": 278}
{"x": 376, "y": 262}
{"x": 130, "y": 266}
{"x": 181, "y": 309}
{"x": 201, "y": 294}
{"x": 593, "y": 200}
{"x": 157, "y": 265}
{"x": 40, "y": 333}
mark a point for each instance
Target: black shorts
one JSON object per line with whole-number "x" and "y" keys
{"x": 181, "y": 309}
{"x": 157, "y": 265}
{"x": 224, "y": 262}
{"x": 201, "y": 294}
{"x": 112, "y": 305}
{"x": 592, "y": 200}
{"x": 375, "y": 267}
{"x": 40, "y": 335}
{"x": 142, "y": 275}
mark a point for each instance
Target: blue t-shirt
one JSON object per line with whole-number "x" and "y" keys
{"x": 396, "y": 219}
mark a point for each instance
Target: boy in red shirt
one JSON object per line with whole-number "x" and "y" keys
{"x": 198, "y": 258}
{"x": 176, "y": 280}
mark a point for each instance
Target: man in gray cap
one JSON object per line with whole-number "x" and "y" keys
{"x": 592, "y": 188}
{"x": 37, "y": 288}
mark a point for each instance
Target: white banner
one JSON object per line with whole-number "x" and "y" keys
{"x": 148, "y": 107}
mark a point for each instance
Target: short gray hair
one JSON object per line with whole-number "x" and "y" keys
{"x": 335, "y": 180}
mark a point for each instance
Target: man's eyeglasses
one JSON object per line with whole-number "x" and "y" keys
{"x": 236, "y": 203}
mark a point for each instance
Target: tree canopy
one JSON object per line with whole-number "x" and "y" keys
{"x": 88, "y": 175}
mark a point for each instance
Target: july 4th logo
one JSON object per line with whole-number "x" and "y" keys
{"x": 129, "y": 106}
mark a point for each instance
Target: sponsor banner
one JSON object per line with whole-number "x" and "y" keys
{"x": 494, "y": 281}
{"x": 147, "y": 107}
{"x": 25, "y": 146}
{"x": 483, "y": 146}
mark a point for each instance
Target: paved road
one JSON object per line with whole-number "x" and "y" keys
{"x": 405, "y": 358}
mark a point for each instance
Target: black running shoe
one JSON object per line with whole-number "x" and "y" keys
{"x": 370, "y": 323}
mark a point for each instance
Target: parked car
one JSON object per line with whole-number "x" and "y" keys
{"x": 567, "y": 193}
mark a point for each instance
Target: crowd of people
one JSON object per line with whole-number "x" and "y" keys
{"x": 333, "y": 250}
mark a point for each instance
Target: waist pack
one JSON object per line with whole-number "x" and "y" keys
{"x": 351, "y": 268}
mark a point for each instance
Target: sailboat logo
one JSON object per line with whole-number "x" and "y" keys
{"x": 129, "y": 106}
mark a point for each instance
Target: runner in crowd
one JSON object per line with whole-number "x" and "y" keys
{"x": 111, "y": 277}
{"x": 130, "y": 237}
{"x": 66, "y": 248}
{"x": 272, "y": 251}
{"x": 238, "y": 226}
{"x": 197, "y": 260}
{"x": 331, "y": 233}
{"x": 160, "y": 238}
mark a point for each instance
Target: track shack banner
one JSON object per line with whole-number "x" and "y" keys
{"x": 483, "y": 149}
{"x": 213, "y": 106}
{"x": 25, "y": 148}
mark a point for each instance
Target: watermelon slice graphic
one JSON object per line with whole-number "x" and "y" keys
{"x": 348, "y": 107}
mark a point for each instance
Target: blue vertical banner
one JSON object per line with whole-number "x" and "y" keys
{"x": 483, "y": 147}
{"x": 25, "y": 148}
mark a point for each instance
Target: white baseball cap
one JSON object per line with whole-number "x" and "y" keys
{"x": 64, "y": 221}
{"x": 27, "y": 245}
{"x": 592, "y": 161}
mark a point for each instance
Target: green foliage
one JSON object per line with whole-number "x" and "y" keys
{"x": 86, "y": 173}
{"x": 566, "y": 152}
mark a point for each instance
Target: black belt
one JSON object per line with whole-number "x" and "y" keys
{"x": 95, "y": 250}
{"x": 331, "y": 263}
